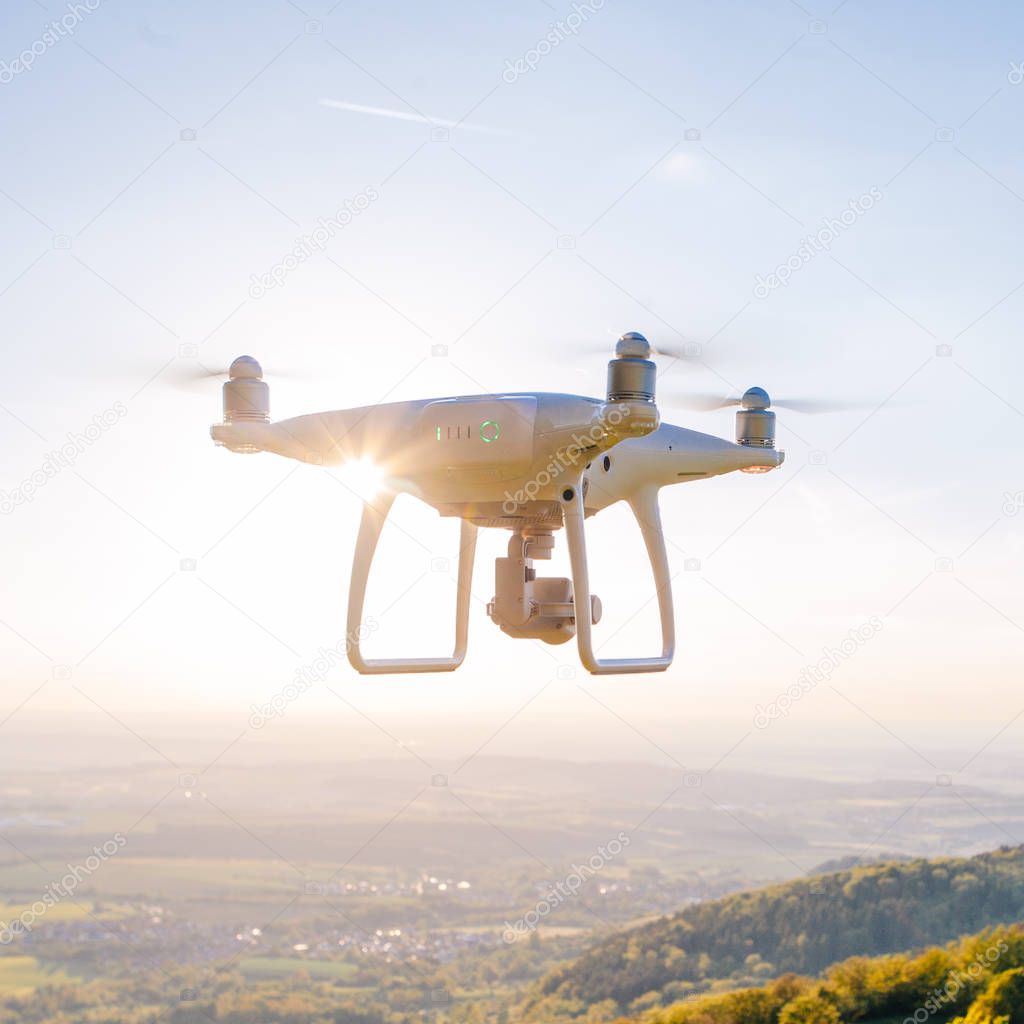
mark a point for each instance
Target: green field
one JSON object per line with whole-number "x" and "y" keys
{"x": 20, "y": 975}
{"x": 68, "y": 910}
{"x": 282, "y": 967}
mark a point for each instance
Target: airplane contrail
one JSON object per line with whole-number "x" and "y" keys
{"x": 401, "y": 115}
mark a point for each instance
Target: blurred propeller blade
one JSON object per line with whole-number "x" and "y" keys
{"x": 184, "y": 375}
{"x": 685, "y": 351}
{"x": 698, "y": 402}
{"x": 193, "y": 374}
{"x": 809, "y": 406}
{"x": 812, "y": 406}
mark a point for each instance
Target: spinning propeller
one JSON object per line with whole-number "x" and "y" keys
{"x": 197, "y": 374}
{"x": 632, "y": 343}
{"x": 757, "y": 398}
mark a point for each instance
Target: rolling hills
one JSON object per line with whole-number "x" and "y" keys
{"x": 800, "y": 926}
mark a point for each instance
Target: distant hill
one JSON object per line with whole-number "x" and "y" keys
{"x": 848, "y": 863}
{"x": 801, "y": 926}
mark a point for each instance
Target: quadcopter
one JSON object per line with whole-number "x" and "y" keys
{"x": 532, "y": 463}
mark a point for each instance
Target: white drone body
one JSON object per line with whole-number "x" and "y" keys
{"x": 531, "y": 463}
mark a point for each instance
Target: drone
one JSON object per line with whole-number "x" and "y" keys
{"x": 532, "y": 463}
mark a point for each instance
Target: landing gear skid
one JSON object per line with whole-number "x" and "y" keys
{"x": 374, "y": 517}
{"x": 525, "y": 605}
{"x": 648, "y": 517}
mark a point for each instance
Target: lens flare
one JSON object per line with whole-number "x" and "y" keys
{"x": 362, "y": 476}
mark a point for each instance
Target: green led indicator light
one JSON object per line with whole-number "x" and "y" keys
{"x": 489, "y": 431}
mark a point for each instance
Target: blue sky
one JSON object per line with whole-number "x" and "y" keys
{"x": 641, "y": 176}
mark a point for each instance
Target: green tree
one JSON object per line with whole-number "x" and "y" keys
{"x": 809, "y": 1009}
{"x": 1002, "y": 1002}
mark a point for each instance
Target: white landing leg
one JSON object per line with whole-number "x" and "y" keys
{"x": 374, "y": 517}
{"x": 648, "y": 516}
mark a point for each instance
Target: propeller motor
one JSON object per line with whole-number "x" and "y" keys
{"x": 755, "y": 421}
{"x": 246, "y": 394}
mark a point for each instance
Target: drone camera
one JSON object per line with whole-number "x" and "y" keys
{"x": 530, "y": 606}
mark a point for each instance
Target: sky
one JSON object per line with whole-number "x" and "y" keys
{"x": 512, "y": 187}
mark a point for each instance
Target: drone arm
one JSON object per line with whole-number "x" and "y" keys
{"x": 374, "y": 517}
{"x": 645, "y": 507}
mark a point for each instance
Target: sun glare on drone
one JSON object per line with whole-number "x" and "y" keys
{"x": 363, "y": 477}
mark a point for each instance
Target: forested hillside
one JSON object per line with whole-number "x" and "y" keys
{"x": 976, "y": 980}
{"x": 801, "y": 926}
